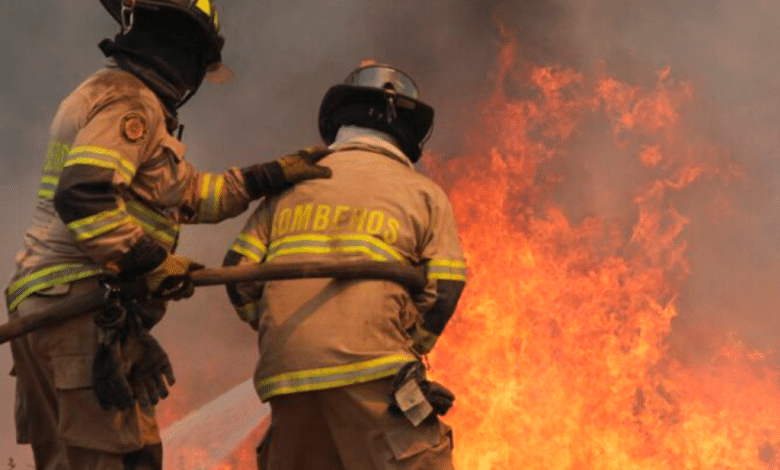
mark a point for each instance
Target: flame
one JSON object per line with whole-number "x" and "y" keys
{"x": 559, "y": 351}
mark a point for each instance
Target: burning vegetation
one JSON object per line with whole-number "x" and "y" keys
{"x": 559, "y": 353}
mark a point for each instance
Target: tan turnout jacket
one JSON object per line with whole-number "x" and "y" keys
{"x": 113, "y": 131}
{"x": 321, "y": 333}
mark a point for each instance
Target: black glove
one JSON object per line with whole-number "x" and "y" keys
{"x": 276, "y": 176}
{"x": 108, "y": 377}
{"x": 439, "y": 396}
{"x": 151, "y": 369}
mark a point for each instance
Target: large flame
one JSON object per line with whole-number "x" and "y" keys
{"x": 558, "y": 353}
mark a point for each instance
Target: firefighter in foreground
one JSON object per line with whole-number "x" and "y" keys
{"x": 115, "y": 188}
{"x": 340, "y": 361}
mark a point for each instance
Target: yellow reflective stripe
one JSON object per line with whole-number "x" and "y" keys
{"x": 45, "y": 193}
{"x": 39, "y": 274}
{"x": 45, "y": 278}
{"x": 204, "y": 6}
{"x": 98, "y": 224}
{"x": 247, "y": 253}
{"x": 447, "y": 269}
{"x": 211, "y": 194}
{"x": 101, "y": 157}
{"x": 205, "y": 191}
{"x": 447, "y": 263}
{"x": 161, "y": 236}
{"x": 330, "y": 377}
{"x": 447, "y": 276}
{"x": 50, "y": 179}
{"x": 317, "y": 243}
{"x": 252, "y": 240}
{"x": 215, "y": 196}
{"x": 327, "y": 250}
{"x": 157, "y": 225}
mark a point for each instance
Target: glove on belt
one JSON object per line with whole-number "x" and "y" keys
{"x": 108, "y": 368}
{"x": 129, "y": 364}
{"x": 417, "y": 398}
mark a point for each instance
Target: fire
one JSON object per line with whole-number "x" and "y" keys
{"x": 559, "y": 352}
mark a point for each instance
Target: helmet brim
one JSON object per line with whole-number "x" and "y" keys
{"x": 219, "y": 74}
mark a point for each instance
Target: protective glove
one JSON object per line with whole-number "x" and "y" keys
{"x": 151, "y": 369}
{"x": 276, "y": 176}
{"x": 170, "y": 280}
{"x": 111, "y": 386}
{"x": 439, "y": 396}
{"x": 108, "y": 368}
{"x": 302, "y": 165}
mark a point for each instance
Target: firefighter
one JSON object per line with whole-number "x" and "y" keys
{"x": 341, "y": 361}
{"x": 115, "y": 189}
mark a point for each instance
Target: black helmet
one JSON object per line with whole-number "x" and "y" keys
{"x": 203, "y": 12}
{"x": 381, "y": 97}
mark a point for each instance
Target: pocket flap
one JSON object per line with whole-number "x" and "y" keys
{"x": 406, "y": 443}
{"x": 72, "y": 372}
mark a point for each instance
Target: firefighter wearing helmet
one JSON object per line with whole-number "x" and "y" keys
{"x": 114, "y": 191}
{"x": 341, "y": 362}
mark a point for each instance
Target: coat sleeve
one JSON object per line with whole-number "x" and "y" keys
{"x": 209, "y": 197}
{"x": 250, "y": 247}
{"x": 114, "y": 142}
{"x": 443, "y": 257}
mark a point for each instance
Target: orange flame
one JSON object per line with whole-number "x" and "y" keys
{"x": 558, "y": 353}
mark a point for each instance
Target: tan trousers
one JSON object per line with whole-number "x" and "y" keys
{"x": 56, "y": 408}
{"x": 349, "y": 428}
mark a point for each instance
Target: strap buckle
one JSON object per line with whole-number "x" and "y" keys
{"x": 127, "y": 17}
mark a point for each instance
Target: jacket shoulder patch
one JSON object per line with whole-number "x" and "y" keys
{"x": 133, "y": 127}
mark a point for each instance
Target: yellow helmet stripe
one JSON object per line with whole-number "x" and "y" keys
{"x": 205, "y": 7}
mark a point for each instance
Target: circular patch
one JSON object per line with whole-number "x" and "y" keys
{"x": 133, "y": 127}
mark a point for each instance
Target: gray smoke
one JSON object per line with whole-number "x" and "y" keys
{"x": 286, "y": 54}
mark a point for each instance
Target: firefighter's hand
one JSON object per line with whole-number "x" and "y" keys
{"x": 274, "y": 177}
{"x": 302, "y": 165}
{"x": 151, "y": 369}
{"x": 170, "y": 280}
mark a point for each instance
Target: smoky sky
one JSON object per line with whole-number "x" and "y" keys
{"x": 287, "y": 53}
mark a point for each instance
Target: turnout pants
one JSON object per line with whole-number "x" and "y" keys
{"x": 350, "y": 428}
{"x": 56, "y": 408}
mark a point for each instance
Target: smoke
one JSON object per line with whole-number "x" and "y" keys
{"x": 286, "y": 54}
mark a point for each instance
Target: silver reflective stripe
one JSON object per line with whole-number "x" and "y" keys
{"x": 161, "y": 228}
{"x": 453, "y": 270}
{"x": 250, "y": 247}
{"x": 211, "y": 195}
{"x": 103, "y": 158}
{"x": 48, "y": 185}
{"x": 45, "y": 278}
{"x": 324, "y": 244}
{"x": 98, "y": 224}
{"x": 331, "y": 377}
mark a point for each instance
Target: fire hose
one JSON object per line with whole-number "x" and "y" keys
{"x": 413, "y": 278}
